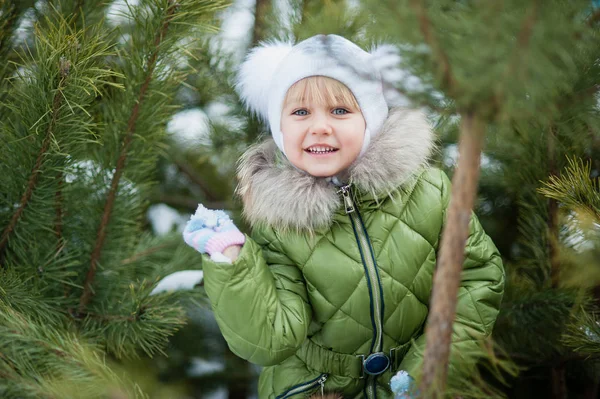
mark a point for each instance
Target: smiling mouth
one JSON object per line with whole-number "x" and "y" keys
{"x": 321, "y": 150}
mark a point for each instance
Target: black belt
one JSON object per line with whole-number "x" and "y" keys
{"x": 356, "y": 366}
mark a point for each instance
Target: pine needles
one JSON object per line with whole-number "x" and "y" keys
{"x": 576, "y": 190}
{"x": 84, "y": 111}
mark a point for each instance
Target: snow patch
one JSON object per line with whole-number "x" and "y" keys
{"x": 190, "y": 126}
{"x": 91, "y": 173}
{"x": 201, "y": 367}
{"x": 25, "y": 26}
{"x": 118, "y": 13}
{"x": 182, "y": 280}
{"x": 238, "y": 21}
{"x": 451, "y": 159}
{"x": 163, "y": 219}
{"x": 221, "y": 393}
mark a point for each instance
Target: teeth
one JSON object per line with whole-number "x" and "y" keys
{"x": 321, "y": 150}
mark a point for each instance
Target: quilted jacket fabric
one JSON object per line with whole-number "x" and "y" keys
{"x": 316, "y": 286}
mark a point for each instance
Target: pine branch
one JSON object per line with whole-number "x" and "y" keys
{"x": 581, "y": 95}
{"x": 583, "y": 334}
{"x": 105, "y": 317}
{"x": 446, "y": 280}
{"x": 33, "y": 178}
{"x": 444, "y": 69}
{"x": 516, "y": 61}
{"x": 37, "y": 359}
{"x": 575, "y": 188}
{"x": 142, "y": 321}
{"x": 58, "y": 225}
{"x": 88, "y": 291}
{"x": 59, "y": 208}
{"x": 79, "y": 5}
{"x": 527, "y": 28}
{"x": 142, "y": 254}
{"x": 210, "y": 194}
{"x": 77, "y": 11}
{"x": 6, "y": 29}
{"x": 523, "y": 41}
{"x": 553, "y": 249}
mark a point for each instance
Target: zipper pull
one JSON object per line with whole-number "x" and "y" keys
{"x": 322, "y": 383}
{"x": 348, "y": 203}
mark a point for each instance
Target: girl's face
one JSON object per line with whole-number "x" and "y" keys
{"x": 322, "y": 135}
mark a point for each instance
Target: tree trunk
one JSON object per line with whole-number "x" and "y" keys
{"x": 559, "y": 383}
{"x": 260, "y": 24}
{"x": 446, "y": 280}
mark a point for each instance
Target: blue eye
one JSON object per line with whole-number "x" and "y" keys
{"x": 300, "y": 112}
{"x": 340, "y": 111}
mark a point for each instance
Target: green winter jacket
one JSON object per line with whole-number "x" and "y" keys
{"x": 330, "y": 276}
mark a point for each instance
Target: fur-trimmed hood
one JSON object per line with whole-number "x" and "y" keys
{"x": 278, "y": 195}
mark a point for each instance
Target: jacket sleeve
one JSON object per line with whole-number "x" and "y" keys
{"x": 479, "y": 297}
{"x": 260, "y": 301}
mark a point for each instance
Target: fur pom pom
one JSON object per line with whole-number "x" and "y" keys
{"x": 256, "y": 73}
{"x": 386, "y": 59}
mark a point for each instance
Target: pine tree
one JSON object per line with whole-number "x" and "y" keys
{"x": 83, "y": 110}
{"x": 525, "y": 75}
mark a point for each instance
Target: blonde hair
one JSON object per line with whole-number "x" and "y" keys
{"x": 321, "y": 90}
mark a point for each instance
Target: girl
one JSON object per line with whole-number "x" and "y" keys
{"x": 331, "y": 291}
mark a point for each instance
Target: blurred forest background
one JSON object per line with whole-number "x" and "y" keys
{"x": 118, "y": 117}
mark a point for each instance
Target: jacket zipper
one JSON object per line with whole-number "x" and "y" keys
{"x": 307, "y": 386}
{"x": 362, "y": 238}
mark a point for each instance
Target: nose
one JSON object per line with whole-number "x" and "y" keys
{"x": 321, "y": 125}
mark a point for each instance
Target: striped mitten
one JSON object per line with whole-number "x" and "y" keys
{"x": 402, "y": 385}
{"x": 209, "y": 231}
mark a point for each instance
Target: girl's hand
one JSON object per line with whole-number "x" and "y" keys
{"x": 232, "y": 252}
{"x": 211, "y": 232}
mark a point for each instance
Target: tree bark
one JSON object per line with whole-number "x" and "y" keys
{"x": 446, "y": 280}
{"x": 260, "y": 24}
{"x": 559, "y": 383}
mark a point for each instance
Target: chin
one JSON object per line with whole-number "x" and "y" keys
{"x": 323, "y": 172}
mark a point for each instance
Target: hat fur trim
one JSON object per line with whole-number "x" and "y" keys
{"x": 257, "y": 71}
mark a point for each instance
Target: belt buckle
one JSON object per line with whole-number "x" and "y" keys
{"x": 374, "y": 364}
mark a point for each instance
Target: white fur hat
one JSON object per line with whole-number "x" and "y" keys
{"x": 272, "y": 68}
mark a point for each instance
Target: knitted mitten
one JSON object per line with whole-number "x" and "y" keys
{"x": 402, "y": 385}
{"x": 210, "y": 232}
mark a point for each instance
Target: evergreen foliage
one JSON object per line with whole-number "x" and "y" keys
{"x": 83, "y": 108}
{"x": 84, "y": 102}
